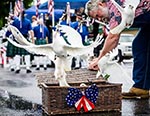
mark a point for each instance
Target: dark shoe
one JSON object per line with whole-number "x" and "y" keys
{"x": 136, "y": 93}
{"x": 45, "y": 68}
{"x": 17, "y": 71}
{"x": 29, "y": 71}
{"x": 12, "y": 69}
{"x": 76, "y": 68}
{"x": 37, "y": 68}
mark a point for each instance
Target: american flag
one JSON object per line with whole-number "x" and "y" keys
{"x": 37, "y": 6}
{"x": 18, "y": 7}
{"x": 50, "y": 6}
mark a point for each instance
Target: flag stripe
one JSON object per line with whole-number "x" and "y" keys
{"x": 37, "y": 6}
{"x": 50, "y": 6}
{"x": 18, "y": 7}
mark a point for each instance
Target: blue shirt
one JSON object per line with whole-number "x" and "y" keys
{"x": 43, "y": 33}
{"x": 23, "y": 26}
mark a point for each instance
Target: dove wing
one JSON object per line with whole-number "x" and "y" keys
{"x": 80, "y": 50}
{"x": 18, "y": 36}
{"x": 36, "y": 49}
{"x": 73, "y": 37}
{"x": 118, "y": 29}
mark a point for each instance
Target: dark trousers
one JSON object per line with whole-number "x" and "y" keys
{"x": 141, "y": 52}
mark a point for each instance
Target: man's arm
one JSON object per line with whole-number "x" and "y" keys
{"x": 111, "y": 42}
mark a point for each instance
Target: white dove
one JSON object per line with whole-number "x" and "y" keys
{"x": 60, "y": 51}
{"x": 105, "y": 61}
{"x": 127, "y": 15}
{"x": 107, "y": 65}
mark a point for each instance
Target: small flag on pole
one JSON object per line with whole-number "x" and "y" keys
{"x": 18, "y": 7}
{"x": 50, "y": 6}
{"x": 18, "y": 10}
{"x": 37, "y": 6}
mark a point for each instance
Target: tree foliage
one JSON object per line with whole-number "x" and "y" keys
{"x": 5, "y": 8}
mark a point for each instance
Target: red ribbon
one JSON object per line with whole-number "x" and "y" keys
{"x": 85, "y": 103}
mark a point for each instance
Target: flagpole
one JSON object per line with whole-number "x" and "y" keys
{"x": 68, "y": 13}
{"x": 21, "y": 15}
{"x": 53, "y": 17}
{"x": 10, "y": 9}
{"x": 53, "y": 20}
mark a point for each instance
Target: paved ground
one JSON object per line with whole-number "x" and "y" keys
{"x": 25, "y": 86}
{"x": 22, "y": 84}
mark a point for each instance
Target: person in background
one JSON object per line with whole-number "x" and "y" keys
{"x": 48, "y": 23}
{"x": 41, "y": 34}
{"x": 10, "y": 47}
{"x": 34, "y": 21}
{"x": 106, "y": 10}
{"x": 63, "y": 20}
{"x": 81, "y": 27}
{"x": 95, "y": 32}
{"x": 24, "y": 26}
{"x": 10, "y": 53}
{"x": 102, "y": 30}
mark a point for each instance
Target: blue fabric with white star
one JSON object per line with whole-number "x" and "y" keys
{"x": 74, "y": 94}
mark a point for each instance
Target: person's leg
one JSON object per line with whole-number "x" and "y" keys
{"x": 17, "y": 62}
{"x": 37, "y": 61}
{"x": 141, "y": 55}
{"x": 146, "y": 84}
{"x": 141, "y": 49}
{"x": 45, "y": 62}
{"x": 11, "y": 63}
{"x": 28, "y": 63}
{"x": 141, "y": 52}
{"x": 77, "y": 62}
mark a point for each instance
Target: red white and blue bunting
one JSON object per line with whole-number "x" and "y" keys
{"x": 83, "y": 99}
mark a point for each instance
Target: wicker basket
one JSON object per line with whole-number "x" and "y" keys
{"x": 53, "y": 96}
{"x": 79, "y": 75}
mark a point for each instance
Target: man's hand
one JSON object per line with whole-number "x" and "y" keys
{"x": 93, "y": 65}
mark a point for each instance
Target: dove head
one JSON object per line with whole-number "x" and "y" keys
{"x": 131, "y": 7}
{"x": 14, "y": 31}
{"x": 9, "y": 27}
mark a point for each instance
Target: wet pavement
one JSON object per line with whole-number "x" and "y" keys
{"x": 20, "y": 96}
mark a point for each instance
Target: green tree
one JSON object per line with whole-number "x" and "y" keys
{"x": 5, "y": 8}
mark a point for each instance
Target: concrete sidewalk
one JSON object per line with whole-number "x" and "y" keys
{"x": 22, "y": 85}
